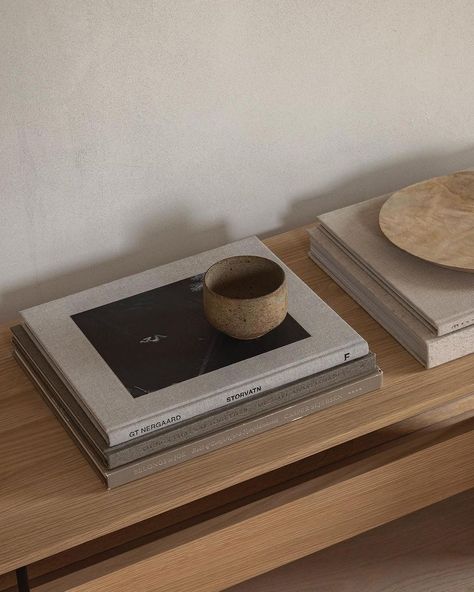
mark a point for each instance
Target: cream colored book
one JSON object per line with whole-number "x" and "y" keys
{"x": 139, "y": 355}
{"x": 441, "y": 298}
{"x": 429, "y": 349}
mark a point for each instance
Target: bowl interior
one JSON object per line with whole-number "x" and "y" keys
{"x": 244, "y": 277}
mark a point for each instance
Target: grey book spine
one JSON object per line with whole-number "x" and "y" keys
{"x": 144, "y": 446}
{"x": 262, "y": 404}
{"x": 259, "y": 425}
{"x": 162, "y": 460}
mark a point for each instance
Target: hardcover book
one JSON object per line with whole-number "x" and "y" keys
{"x": 139, "y": 355}
{"x": 441, "y": 298}
{"x": 143, "y": 446}
{"x": 168, "y": 458}
{"x": 429, "y": 349}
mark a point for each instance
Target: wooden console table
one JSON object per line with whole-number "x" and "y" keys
{"x": 219, "y": 519}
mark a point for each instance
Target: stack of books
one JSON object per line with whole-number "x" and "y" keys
{"x": 141, "y": 381}
{"x": 427, "y": 308}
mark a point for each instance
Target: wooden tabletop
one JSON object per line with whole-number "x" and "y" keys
{"x": 51, "y": 500}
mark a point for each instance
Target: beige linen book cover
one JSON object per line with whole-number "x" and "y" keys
{"x": 139, "y": 355}
{"x": 431, "y": 350}
{"x": 441, "y": 298}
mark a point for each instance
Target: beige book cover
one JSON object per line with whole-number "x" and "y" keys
{"x": 140, "y": 356}
{"x": 431, "y": 350}
{"x": 441, "y": 298}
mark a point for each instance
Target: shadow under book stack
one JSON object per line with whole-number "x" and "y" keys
{"x": 141, "y": 381}
{"x": 427, "y": 308}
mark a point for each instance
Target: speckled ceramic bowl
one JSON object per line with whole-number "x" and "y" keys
{"x": 245, "y": 296}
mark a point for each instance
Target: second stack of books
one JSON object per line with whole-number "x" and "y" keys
{"x": 427, "y": 308}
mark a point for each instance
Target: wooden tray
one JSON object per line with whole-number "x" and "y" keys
{"x": 434, "y": 220}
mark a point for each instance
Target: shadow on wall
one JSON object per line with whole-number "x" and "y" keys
{"x": 161, "y": 241}
{"x": 374, "y": 181}
{"x": 156, "y": 243}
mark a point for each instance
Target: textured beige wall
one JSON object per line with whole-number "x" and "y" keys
{"x": 133, "y": 132}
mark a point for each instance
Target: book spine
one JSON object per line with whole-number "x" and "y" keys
{"x": 298, "y": 410}
{"x": 237, "y": 413}
{"x": 455, "y": 324}
{"x": 162, "y": 460}
{"x": 243, "y": 391}
{"x": 204, "y": 425}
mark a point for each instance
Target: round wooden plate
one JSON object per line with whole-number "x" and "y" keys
{"x": 434, "y": 220}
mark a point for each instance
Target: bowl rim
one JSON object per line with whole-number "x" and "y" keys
{"x": 254, "y": 298}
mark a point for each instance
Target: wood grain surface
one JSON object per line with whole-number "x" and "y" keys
{"x": 431, "y": 550}
{"x": 51, "y": 500}
{"x": 146, "y": 531}
{"x": 349, "y": 499}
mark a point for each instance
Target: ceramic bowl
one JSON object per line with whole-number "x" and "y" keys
{"x": 245, "y": 296}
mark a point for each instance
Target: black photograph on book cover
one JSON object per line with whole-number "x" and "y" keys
{"x": 161, "y": 337}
